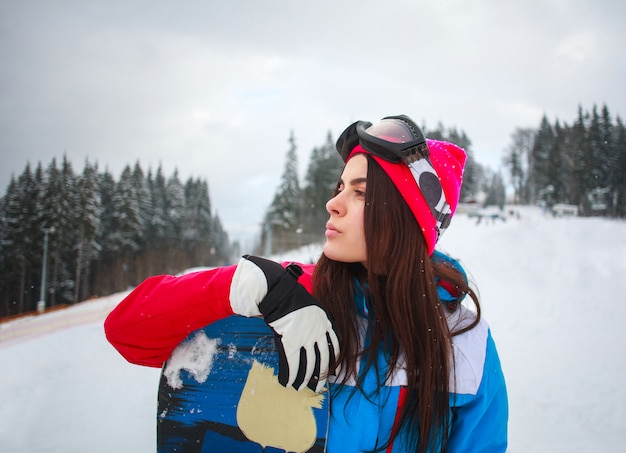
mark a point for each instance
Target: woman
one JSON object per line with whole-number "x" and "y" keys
{"x": 416, "y": 370}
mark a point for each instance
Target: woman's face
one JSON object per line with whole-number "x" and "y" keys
{"x": 345, "y": 234}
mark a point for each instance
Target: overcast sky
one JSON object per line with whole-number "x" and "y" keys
{"x": 214, "y": 88}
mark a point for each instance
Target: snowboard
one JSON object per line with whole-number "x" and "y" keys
{"x": 219, "y": 392}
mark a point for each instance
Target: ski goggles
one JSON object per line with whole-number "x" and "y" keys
{"x": 394, "y": 138}
{"x": 397, "y": 139}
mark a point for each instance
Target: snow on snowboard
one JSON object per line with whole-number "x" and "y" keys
{"x": 219, "y": 392}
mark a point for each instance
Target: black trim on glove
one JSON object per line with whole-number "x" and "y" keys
{"x": 280, "y": 309}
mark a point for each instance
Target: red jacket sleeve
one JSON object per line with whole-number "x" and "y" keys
{"x": 162, "y": 311}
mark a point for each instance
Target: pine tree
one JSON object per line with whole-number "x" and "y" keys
{"x": 495, "y": 191}
{"x": 13, "y": 242}
{"x": 58, "y": 208}
{"x": 158, "y": 222}
{"x": 88, "y": 216}
{"x": 595, "y": 170}
{"x": 221, "y": 252}
{"x": 200, "y": 236}
{"x": 4, "y": 269}
{"x": 619, "y": 185}
{"x": 106, "y": 188}
{"x": 516, "y": 158}
{"x": 144, "y": 203}
{"x": 283, "y": 218}
{"x": 539, "y": 181}
{"x": 609, "y": 159}
{"x": 33, "y": 193}
{"x": 577, "y": 152}
{"x": 558, "y": 166}
{"x": 196, "y": 224}
{"x": 21, "y": 239}
{"x": 174, "y": 208}
{"x": 126, "y": 226}
{"x": 321, "y": 180}
{"x": 595, "y": 141}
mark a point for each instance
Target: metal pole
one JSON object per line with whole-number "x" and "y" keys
{"x": 41, "y": 305}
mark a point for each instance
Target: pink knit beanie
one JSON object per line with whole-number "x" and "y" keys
{"x": 448, "y": 160}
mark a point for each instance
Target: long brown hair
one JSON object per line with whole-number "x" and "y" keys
{"x": 409, "y": 319}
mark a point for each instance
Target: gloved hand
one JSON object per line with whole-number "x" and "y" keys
{"x": 305, "y": 339}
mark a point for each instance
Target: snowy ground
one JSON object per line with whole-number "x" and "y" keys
{"x": 552, "y": 290}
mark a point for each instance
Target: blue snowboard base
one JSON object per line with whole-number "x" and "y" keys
{"x": 202, "y": 383}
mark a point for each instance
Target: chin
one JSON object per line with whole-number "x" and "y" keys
{"x": 332, "y": 253}
{"x": 340, "y": 255}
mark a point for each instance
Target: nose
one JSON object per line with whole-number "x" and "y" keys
{"x": 335, "y": 205}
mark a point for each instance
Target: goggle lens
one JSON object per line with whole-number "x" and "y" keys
{"x": 391, "y": 130}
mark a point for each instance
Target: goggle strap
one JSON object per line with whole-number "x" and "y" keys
{"x": 437, "y": 202}
{"x": 417, "y": 152}
{"x": 349, "y": 139}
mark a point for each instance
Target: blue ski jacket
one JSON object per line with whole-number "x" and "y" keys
{"x": 362, "y": 421}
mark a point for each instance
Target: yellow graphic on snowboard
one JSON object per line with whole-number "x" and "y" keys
{"x": 277, "y": 416}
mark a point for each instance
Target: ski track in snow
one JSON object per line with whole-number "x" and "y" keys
{"x": 551, "y": 289}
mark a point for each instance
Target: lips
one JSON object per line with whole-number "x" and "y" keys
{"x": 331, "y": 231}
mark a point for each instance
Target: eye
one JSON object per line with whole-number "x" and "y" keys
{"x": 359, "y": 193}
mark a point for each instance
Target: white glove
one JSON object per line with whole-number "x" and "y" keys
{"x": 305, "y": 339}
